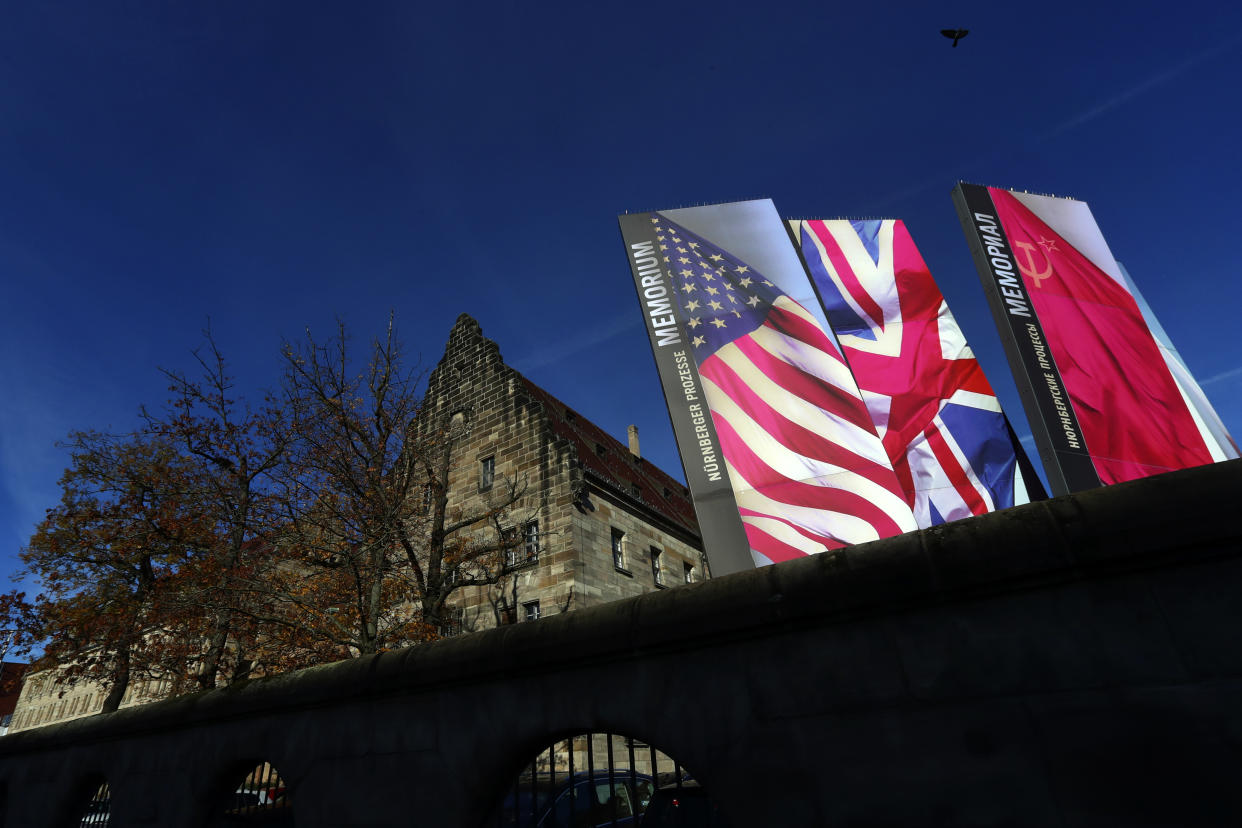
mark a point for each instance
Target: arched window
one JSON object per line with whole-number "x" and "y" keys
{"x": 260, "y": 796}
{"x": 97, "y": 810}
{"x": 595, "y": 779}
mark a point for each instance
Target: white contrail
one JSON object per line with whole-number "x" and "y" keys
{"x": 1223, "y": 375}
{"x": 1139, "y": 88}
{"x": 565, "y": 348}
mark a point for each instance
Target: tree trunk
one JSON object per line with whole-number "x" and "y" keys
{"x": 215, "y": 654}
{"x": 242, "y": 670}
{"x": 119, "y": 685}
{"x": 433, "y": 612}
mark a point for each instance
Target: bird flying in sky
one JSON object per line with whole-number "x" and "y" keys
{"x": 956, "y": 34}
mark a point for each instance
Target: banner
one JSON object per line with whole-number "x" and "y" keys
{"x": 941, "y": 424}
{"x": 778, "y": 447}
{"x": 1220, "y": 443}
{"x": 1100, "y": 398}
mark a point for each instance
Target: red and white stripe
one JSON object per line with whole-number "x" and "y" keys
{"x": 916, "y": 363}
{"x": 943, "y": 475}
{"x": 808, "y": 471}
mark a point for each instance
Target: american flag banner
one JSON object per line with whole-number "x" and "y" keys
{"x": 807, "y": 469}
{"x": 940, "y": 422}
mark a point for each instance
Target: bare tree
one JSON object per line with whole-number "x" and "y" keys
{"x": 504, "y": 600}
{"x": 239, "y": 452}
{"x": 471, "y": 543}
{"x": 374, "y": 549}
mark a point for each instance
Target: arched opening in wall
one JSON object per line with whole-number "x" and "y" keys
{"x": 256, "y": 796}
{"x": 96, "y": 811}
{"x": 602, "y": 779}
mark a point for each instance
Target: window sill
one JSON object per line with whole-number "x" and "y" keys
{"x": 624, "y": 572}
{"x": 659, "y": 585}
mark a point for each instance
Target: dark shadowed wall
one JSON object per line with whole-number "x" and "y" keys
{"x": 1069, "y": 663}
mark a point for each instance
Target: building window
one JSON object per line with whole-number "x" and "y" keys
{"x": 487, "y": 473}
{"x": 531, "y": 610}
{"x": 656, "y": 572}
{"x": 427, "y": 498}
{"x": 530, "y": 543}
{"x": 689, "y": 572}
{"x": 527, "y": 549}
{"x": 618, "y": 549}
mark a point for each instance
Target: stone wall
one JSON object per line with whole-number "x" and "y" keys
{"x": 43, "y": 700}
{"x": 601, "y": 580}
{"x": 504, "y": 420}
{"x": 503, "y": 423}
{"x": 1067, "y": 663}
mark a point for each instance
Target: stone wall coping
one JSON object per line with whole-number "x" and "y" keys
{"x": 1167, "y": 519}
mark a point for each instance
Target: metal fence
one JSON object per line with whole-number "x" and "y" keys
{"x": 261, "y": 797}
{"x": 98, "y": 809}
{"x": 258, "y": 798}
{"x": 593, "y": 779}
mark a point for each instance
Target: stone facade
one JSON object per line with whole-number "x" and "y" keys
{"x": 43, "y": 701}
{"x": 580, "y": 486}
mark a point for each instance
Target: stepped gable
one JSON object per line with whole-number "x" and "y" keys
{"x": 610, "y": 462}
{"x": 471, "y": 361}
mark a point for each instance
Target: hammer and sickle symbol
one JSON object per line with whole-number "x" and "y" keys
{"x": 1026, "y": 262}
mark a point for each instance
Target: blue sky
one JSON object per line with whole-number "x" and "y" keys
{"x": 270, "y": 167}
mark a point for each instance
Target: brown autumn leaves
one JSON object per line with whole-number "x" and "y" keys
{"x": 223, "y": 540}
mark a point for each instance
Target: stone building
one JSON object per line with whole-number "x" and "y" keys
{"x": 599, "y": 521}
{"x": 43, "y": 701}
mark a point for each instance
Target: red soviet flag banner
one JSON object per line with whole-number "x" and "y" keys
{"x": 1133, "y": 419}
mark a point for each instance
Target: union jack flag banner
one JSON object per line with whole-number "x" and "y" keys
{"x": 808, "y": 472}
{"x": 941, "y": 424}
